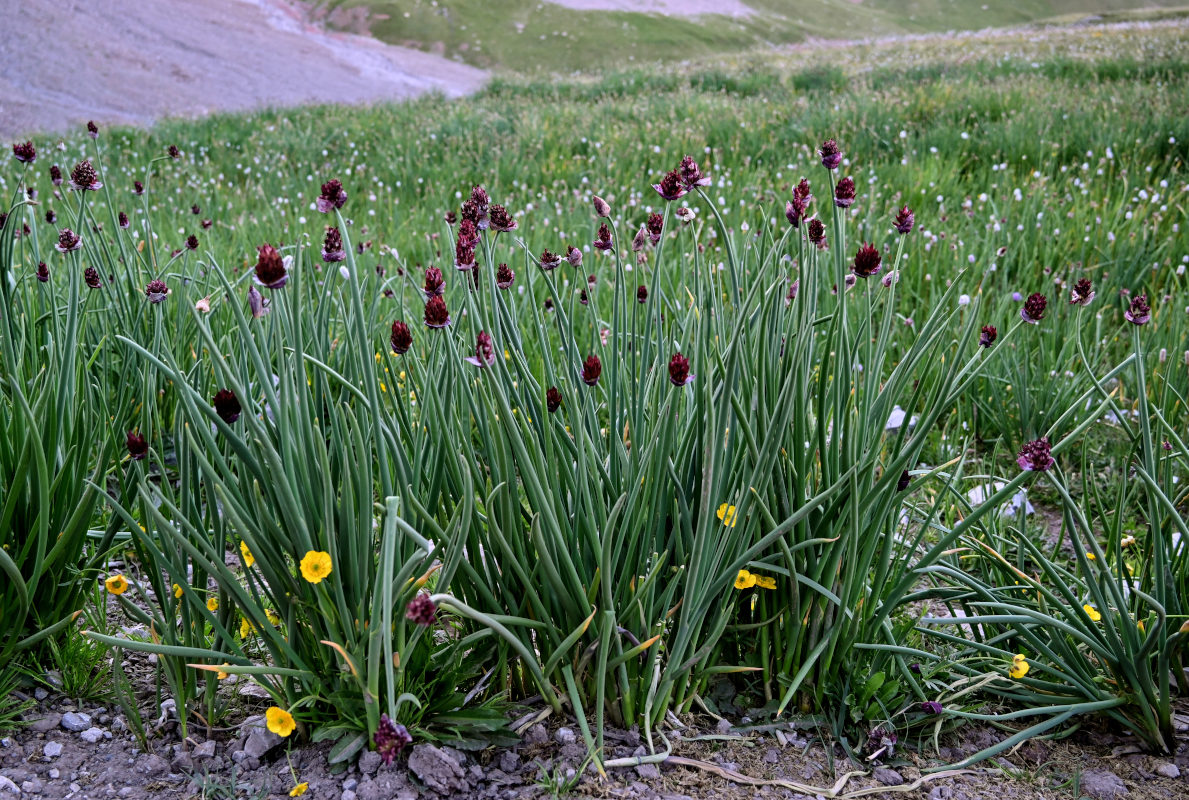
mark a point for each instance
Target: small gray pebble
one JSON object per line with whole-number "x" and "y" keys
{"x": 92, "y": 735}
{"x": 1168, "y": 770}
{"x": 565, "y": 736}
{"x": 76, "y": 722}
{"x": 350, "y": 784}
{"x": 347, "y": 795}
{"x": 52, "y": 749}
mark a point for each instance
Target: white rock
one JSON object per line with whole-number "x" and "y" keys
{"x": 92, "y": 735}
{"x": 52, "y": 749}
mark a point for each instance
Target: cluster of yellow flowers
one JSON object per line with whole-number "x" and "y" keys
{"x": 1019, "y": 666}
{"x": 746, "y": 580}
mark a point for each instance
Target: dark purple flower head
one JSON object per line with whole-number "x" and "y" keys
{"x": 464, "y": 255}
{"x": 227, "y": 405}
{"x": 549, "y": 261}
{"x": 402, "y": 338}
{"x": 603, "y": 239}
{"x": 987, "y": 337}
{"x": 1036, "y": 456}
{"x": 173, "y": 152}
{"x": 582, "y": 298}
{"x": 591, "y": 369}
{"x": 91, "y": 278}
{"x": 548, "y": 304}
{"x": 436, "y": 314}
{"x": 138, "y": 447}
{"x": 484, "y": 351}
{"x": 601, "y": 207}
{"x": 332, "y": 246}
{"x": 421, "y": 610}
{"x": 691, "y": 175}
{"x": 670, "y": 187}
{"x": 655, "y": 226}
{"x": 640, "y": 239}
{"x": 56, "y": 174}
{"x": 258, "y": 305}
{"x": 50, "y": 216}
{"x": 156, "y": 291}
{"x": 641, "y": 294}
{"x": 802, "y": 191}
{"x": 43, "y": 272}
{"x": 905, "y": 479}
{"x": 573, "y": 255}
{"x": 68, "y": 241}
{"x": 123, "y": 220}
{"x": 83, "y": 177}
{"x": 794, "y": 211}
{"x": 206, "y": 224}
{"x": 831, "y": 155}
{"x": 137, "y": 188}
{"x": 191, "y": 242}
{"x": 25, "y": 153}
{"x": 333, "y": 196}
{"x": 479, "y": 197}
{"x": 1138, "y": 313}
{"x": 391, "y": 737}
{"x": 679, "y": 370}
{"x": 195, "y": 210}
{"x": 501, "y": 220}
{"x": 1083, "y": 292}
{"x": 434, "y": 284}
{"x": 92, "y": 130}
{"x": 817, "y": 233}
{"x": 474, "y": 214}
{"x": 504, "y": 277}
{"x": 1034, "y": 308}
{"x": 867, "y": 261}
{"x": 905, "y": 219}
{"x": 451, "y": 218}
{"x": 932, "y": 707}
{"x": 271, "y": 272}
{"x": 552, "y": 399}
{"x": 844, "y": 193}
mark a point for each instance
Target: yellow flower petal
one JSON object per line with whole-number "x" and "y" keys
{"x": 765, "y": 582}
{"x": 726, "y": 513}
{"x": 299, "y": 789}
{"x": 212, "y": 604}
{"x": 1019, "y": 667}
{"x": 246, "y": 554}
{"x": 744, "y": 580}
{"x": 1092, "y": 612}
{"x": 116, "y": 584}
{"x": 177, "y": 591}
{"x": 315, "y": 566}
{"x": 280, "y": 721}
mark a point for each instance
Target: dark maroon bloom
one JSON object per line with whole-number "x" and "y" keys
{"x": 50, "y": 216}
{"x": 691, "y": 175}
{"x": 3, "y": 219}
{"x": 56, "y": 174}
{"x": 601, "y": 207}
{"x": 434, "y": 285}
{"x": 271, "y": 272}
{"x": 655, "y": 226}
{"x": 43, "y": 272}
{"x": 332, "y": 246}
{"x": 905, "y": 219}
{"x": 464, "y": 255}
{"x": 905, "y": 479}
{"x": 591, "y": 369}
{"x": 603, "y": 239}
{"x": 1034, "y": 308}
{"x": 91, "y": 278}
{"x": 68, "y": 241}
{"x": 173, "y": 152}
{"x": 641, "y": 294}
{"x": 195, "y": 210}
{"x": 501, "y": 220}
{"x": 206, "y": 224}
{"x": 548, "y": 260}
{"x": 227, "y": 405}
{"x": 831, "y": 155}
{"x": 333, "y": 196}
{"x": 137, "y": 188}
{"x": 391, "y": 737}
{"x": 582, "y": 298}
{"x": 670, "y": 186}
{"x": 987, "y": 337}
{"x": 504, "y": 277}
{"x": 1083, "y": 293}
{"x": 931, "y": 707}
{"x": 679, "y": 374}
{"x": 794, "y": 211}
{"x": 191, "y": 242}
{"x": 92, "y": 130}
{"x": 552, "y": 399}
{"x": 479, "y": 197}
{"x": 867, "y": 261}
{"x": 156, "y": 291}
{"x": 1036, "y": 456}
{"x": 484, "y": 351}
{"x": 138, "y": 447}
{"x": 451, "y": 218}
{"x": 1139, "y": 313}
{"x": 32, "y": 194}
{"x": 436, "y": 314}
{"x": 474, "y": 214}
{"x": 123, "y": 220}
{"x": 803, "y": 191}
{"x": 844, "y": 193}
{"x": 548, "y": 304}
{"x": 817, "y": 233}
{"x": 84, "y": 178}
{"x": 573, "y": 255}
{"x": 421, "y": 610}
{"x": 639, "y": 240}
{"x": 25, "y": 153}
{"x": 402, "y": 338}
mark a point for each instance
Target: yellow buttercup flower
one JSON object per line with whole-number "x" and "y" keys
{"x": 116, "y": 584}
{"x": 765, "y": 582}
{"x": 248, "y": 558}
{"x": 280, "y": 721}
{"x": 246, "y": 628}
{"x": 727, "y": 514}
{"x": 1092, "y": 612}
{"x": 1019, "y": 666}
{"x": 1090, "y": 556}
{"x": 299, "y": 789}
{"x": 212, "y": 604}
{"x": 273, "y": 617}
{"x": 315, "y": 566}
{"x": 744, "y": 580}
{"x": 221, "y": 675}
{"x": 177, "y": 591}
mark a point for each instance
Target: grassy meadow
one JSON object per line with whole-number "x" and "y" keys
{"x": 709, "y": 445}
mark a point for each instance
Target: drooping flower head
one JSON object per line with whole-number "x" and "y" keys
{"x": 1138, "y": 313}
{"x": 332, "y": 246}
{"x": 932, "y": 707}
{"x": 691, "y": 175}
{"x": 904, "y": 220}
{"x": 55, "y": 174}
{"x": 817, "y": 233}
{"x": 227, "y": 405}
{"x": 138, "y": 447}
{"x": 43, "y": 272}
{"x": 987, "y": 337}
{"x": 549, "y": 261}
{"x": 655, "y": 226}
{"x": 434, "y": 284}
{"x": 484, "y": 351}
{"x": 1082, "y": 293}
{"x": 844, "y": 193}
{"x": 258, "y": 305}
{"x": 436, "y": 314}
{"x": 573, "y": 255}
{"x": 601, "y": 207}
{"x": 83, "y": 177}
{"x": 122, "y": 220}
{"x": 552, "y": 399}
{"x": 640, "y": 239}
{"x": 402, "y": 338}
{"x": 670, "y": 187}
{"x": 421, "y": 610}
{"x": 831, "y": 155}
{"x": 794, "y": 211}
{"x": 91, "y": 278}
{"x": 591, "y": 369}
{"x": 1036, "y": 456}
{"x": 25, "y": 152}
{"x": 270, "y": 268}
{"x": 504, "y": 277}
{"x": 68, "y": 241}
{"x": 867, "y": 261}
{"x": 679, "y": 374}
{"x": 156, "y": 291}
{"x": 173, "y": 152}
{"x": 1034, "y": 308}
{"x": 603, "y": 239}
{"x": 333, "y": 196}
{"x": 391, "y": 737}
{"x": 137, "y": 188}
{"x": 501, "y": 220}
{"x": 641, "y": 294}
{"x": 791, "y": 295}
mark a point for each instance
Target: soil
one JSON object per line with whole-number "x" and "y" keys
{"x": 135, "y": 61}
